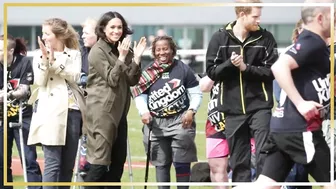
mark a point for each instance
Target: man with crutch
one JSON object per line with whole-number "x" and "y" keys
{"x": 20, "y": 77}
{"x": 14, "y": 104}
{"x": 89, "y": 38}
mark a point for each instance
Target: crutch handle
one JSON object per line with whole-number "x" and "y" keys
{"x": 150, "y": 127}
{"x": 15, "y": 125}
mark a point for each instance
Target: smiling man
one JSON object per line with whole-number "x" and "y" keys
{"x": 239, "y": 57}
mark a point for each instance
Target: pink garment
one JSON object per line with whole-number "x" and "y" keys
{"x": 216, "y": 148}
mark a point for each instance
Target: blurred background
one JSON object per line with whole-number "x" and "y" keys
{"x": 190, "y": 26}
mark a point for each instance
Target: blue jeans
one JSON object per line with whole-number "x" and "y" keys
{"x": 298, "y": 174}
{"x": 59, "y": 161}
{"x": 276, "y": 90}
{"x": 33, "y": 168}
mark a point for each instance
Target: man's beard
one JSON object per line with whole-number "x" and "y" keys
{"x": 252, "y": 28}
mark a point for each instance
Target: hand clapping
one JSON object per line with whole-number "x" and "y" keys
{"x": 123, "y": 48}
{"x": 45, "y": 57}
{"x": 139, "y": 49}
{"x": 238, "y": 61}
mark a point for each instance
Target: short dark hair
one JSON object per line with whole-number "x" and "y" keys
{"x": 170, "y": 40}
{"x": 18, "y": 44}
{"x": 102, "y": 22}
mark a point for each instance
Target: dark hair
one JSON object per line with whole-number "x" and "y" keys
{"x": 18, "y": 44}
{"x": 102, "y": 22}
{"x": 170, "y": 40}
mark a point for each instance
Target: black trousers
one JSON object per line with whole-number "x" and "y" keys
{"x": 239, "y": 130}
{"x": 112, "y": 173}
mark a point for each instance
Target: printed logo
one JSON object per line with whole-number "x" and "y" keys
{"x": 215, "y": 117}
{"x": 170, "y": 99}
{"x": 293, "y": 50}
{"x": 175, "y": 82}
{"x": 322, "y": 87}
{"x": 165, "y": 75}
{"x": 298, "y": 46}
{"x": 29, "y": 76}
{"x": 278, "y": 112}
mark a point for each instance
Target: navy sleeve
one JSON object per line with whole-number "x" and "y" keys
{"x": 305, "y": 50}
{"x": 27, "y": 75}
{"x": 190, "y": 80}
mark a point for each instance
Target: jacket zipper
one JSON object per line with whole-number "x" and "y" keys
{"x": 264, "y": 90}
{"x": 241, "y": 84}
{"x": 241, "y": 75}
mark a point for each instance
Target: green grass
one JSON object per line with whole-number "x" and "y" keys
{"x": 137, "y": 148}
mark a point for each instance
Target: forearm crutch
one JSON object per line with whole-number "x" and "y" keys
{"x": 148, "y": 151}
{"x": 18, "y": 126}
{"x": 129, "y": 160}
{"x": 77, "y": 162}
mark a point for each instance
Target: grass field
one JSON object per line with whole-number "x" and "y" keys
{"x": 137, "y": 148}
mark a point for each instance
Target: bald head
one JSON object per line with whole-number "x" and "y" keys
{"x": 309, "y": 12}
{"x": 317, "y": 18}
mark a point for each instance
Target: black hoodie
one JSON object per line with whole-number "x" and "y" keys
{"x": 249, "y": 90}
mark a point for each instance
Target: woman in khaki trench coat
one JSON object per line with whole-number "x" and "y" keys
{"x": 113, "y": 68}
{"x": 57, "y": 111}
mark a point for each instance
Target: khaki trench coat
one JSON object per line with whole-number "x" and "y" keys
{"x": 108, "y": 89}
{"x": 49, "y": 120}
